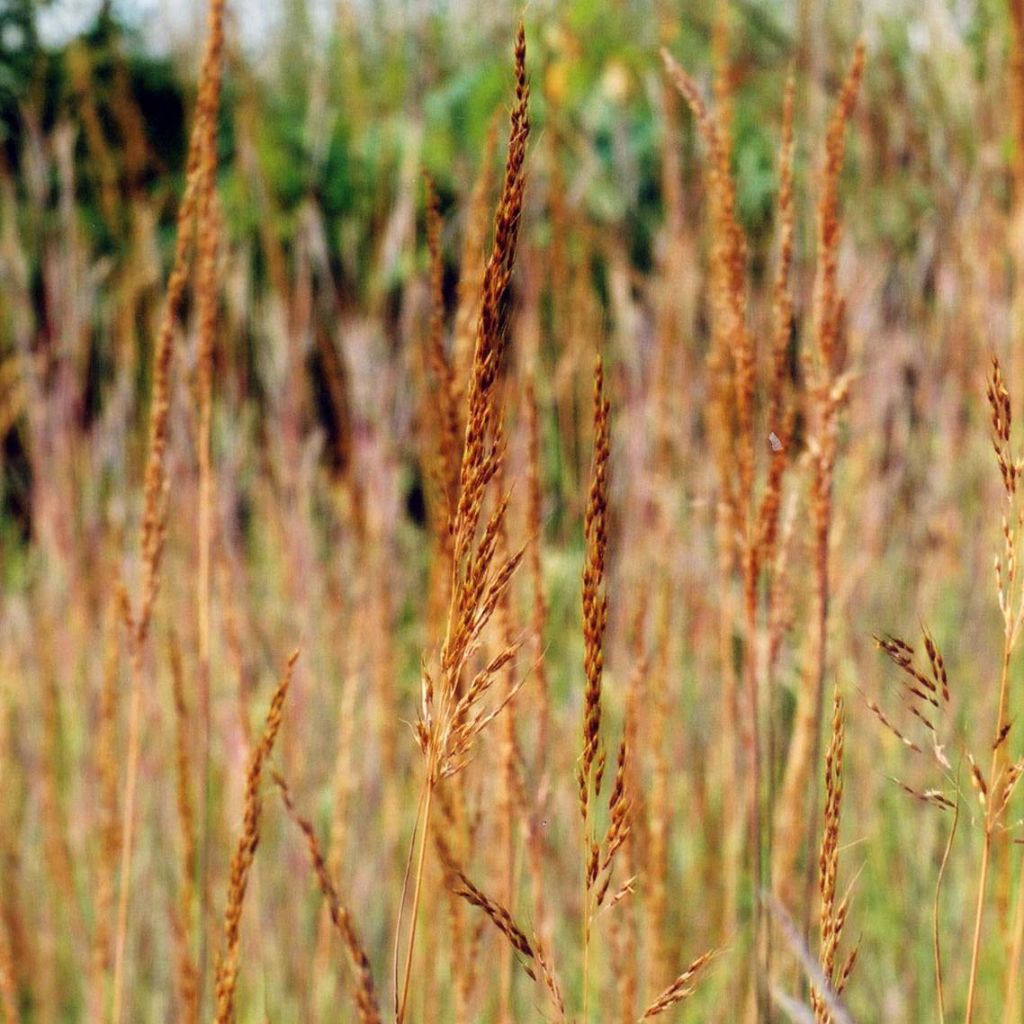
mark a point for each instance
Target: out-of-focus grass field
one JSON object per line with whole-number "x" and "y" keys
{"x": 327, "y": 525}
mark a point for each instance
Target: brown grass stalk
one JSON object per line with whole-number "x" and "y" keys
{"x": 628, "y": 933}
{"x": 1013, "y": 996}
{"x": 762, "y": 542}
{"x": 108, "y": 831}
{"x": 730, "y": 365}
{"x": 746, "y": 531}
{"x": 57, "y": 853}
{"x": 454, "y": 836}
{"x": 155, "y": 488}
{"x": 343, "y": 782}
{"x": 828, "y": 393}
{"x": 658, "y": 807}
{"x": 188, "y": 980}
{"x": 509, "y": 758}
{"x": 207, "y": 293}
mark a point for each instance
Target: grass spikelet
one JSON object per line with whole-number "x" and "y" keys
{"x": 595, "y": 620}
{"x": 595, "y": 600}
{"x": 619, "y": 808}
{"x": 549, "y": 979}
{"x": 365, "y": 992}
{"x": 832, "y": 916}
{"x": 827, "y": 303}
{"x": 461, "y": 886}
{"x": 245, "y": 852}
{"x": 680, "y": 989}
{"x": 480, "y": 450}
{"x": 935, "y": 797}
{"x": 925, "y": 697}
{"x": 473, "y": 258}
{"x": 500, "y": 918}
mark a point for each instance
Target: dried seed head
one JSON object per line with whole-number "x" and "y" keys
{"x": 365, "y": 994}
{"x": 595, "y": 601}
{"x": 978, "y": 780}
{"x": 682, "y": 987}
{"x": 245, "y": 853}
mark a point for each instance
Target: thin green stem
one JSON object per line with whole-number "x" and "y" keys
{"x": 128, "y": 829}
{"x": 400, "y": 1017}
{"x": 586, "y": 917}
{"x": 990, "y": 823}
{"x": 978, "y": 915}
{"x": 937, "y": 949}
{"x": 1013, "y": 993}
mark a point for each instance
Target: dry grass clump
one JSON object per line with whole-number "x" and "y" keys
{"x": 446, "y": 727}
{"x": 391, "y": 407}
{"x": 748, "y": 521}
{"x": 828, "y": 387}
{"x": 451, "y": 713}
{"x": 198, "y": 190}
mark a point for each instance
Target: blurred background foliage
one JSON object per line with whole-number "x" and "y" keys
{"x": 340, "y": 107}
{"x": 331, "y": 117}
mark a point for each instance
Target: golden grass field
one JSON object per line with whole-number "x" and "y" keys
{"x": 514, "y": 515}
